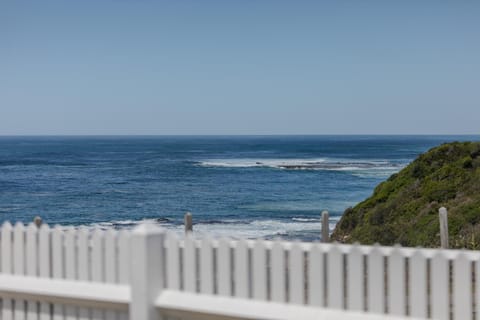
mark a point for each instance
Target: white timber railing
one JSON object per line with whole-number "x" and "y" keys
{"x": 149, "y": 273}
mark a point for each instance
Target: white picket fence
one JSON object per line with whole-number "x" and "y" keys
{"x": 149, "y": 274}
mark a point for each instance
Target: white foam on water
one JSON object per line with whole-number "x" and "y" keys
{"x": 231, "y": 228}
{"x": 366, "y": 167}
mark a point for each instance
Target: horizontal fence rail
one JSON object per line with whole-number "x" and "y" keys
{"x": 149, "y": 273}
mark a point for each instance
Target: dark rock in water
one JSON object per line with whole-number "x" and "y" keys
{"x": 404, "y": 209}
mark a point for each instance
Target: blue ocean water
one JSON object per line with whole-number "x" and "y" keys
{"x": 247, "y": 186}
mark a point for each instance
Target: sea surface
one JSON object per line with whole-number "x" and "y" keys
{"x": 238, "y": 186}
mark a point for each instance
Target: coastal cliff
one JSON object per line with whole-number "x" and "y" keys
{"x": 404, "y": 209}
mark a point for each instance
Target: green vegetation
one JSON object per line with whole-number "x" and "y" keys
{"x": 404, "y": 209}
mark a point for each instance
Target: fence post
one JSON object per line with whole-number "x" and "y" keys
{"x": 146, "y": 272}
{"x": 188, "y": 222}
{"x": 325, "y": 227}
{"x": 443, "y": 216}
{"x": 38, "y": 221}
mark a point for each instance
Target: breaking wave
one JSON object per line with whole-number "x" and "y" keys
{"x": 362, "y": 167}
{"x": 302, "y": 228}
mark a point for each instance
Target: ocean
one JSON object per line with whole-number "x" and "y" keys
{"x": 237, "y": 186}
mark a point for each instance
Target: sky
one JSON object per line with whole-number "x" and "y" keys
{"x": 239, "y": 67}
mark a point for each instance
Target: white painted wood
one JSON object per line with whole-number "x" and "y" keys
{"x": 83, "y": 273}
{"x": 242, "y": 274}
{"x": 6, "y": 255}
{"x": 173, "y": 262}
{"x": 375, "y": 281}
{"x": 61, "y": 258}
{"x": 19, "y": 265}
{"x": 396, "y": 283}
{"x": 44, "y": 264}
{"x": 278, "y": 272}
{"x": 189, "y": 265}
{"x": 57, "y": 266}
{"x": 70, "y": 267}
{"x": 439, "y": 287}
{"x": 224, "y": 268}
{"x": 316, "y": 277}
{"x": 63, "y": 291}
{"x": 259, "y": 270}
{"x": 111, "y": 265}
{"x": 477, "y": 289}
{"x": 335, "y": 294}
{"x": 97, "y": 265}
{"x": 124, "y": 257}
{"x": 207, "y": 307}
{"x": 418, "y": 285}
{"x": 147, "y": 265}
{"x": 462, "y": 282}
{"x": 123, "y": 264}
{"x": 355, "y": 280}
{"x": 296, "y": 275}
{"x": 31, "y": 265}
{"x": 206, "y": 266}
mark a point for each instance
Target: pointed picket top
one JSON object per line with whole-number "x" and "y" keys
{"x": 146, "y": 227}
{"x": 19, "y": 226}
{"x": 44, "y": 227}
{"x": 32, "y": 227}
{"x": 7, "y": 225}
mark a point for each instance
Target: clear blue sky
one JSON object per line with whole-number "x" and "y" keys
{"x": 239, "y": 67}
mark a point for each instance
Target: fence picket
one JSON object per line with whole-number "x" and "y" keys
{"x": 44, "y": 256}
{"x": 375, "y": 282}
{"x": 477, "y": 289}
{"x": 97, "y": 266}
{"x": 259, "y": 269}
{"x": 206, "y": 266}
{"x": 224, "y": 268}
{"x": 439, "y": 287}
{"x": 396, "y": 283}
{"x": 335, "y": 286}
{"x": 241, "y": 270}
{"x": 259, "y": 276}
{"x": 123, "y": 264}
{"x": 189, "y": 264}
{"x": 418, "y": 285}
{"x": 173, "y": 262}
{"x": 82, "y": 265}
{"x": 278, "y": 272}
{"x": 57, "y": 267}
{"x": 31, "y": 265}
{"x": 462, "y": 281}
{"x": 355, "y": 280}
{"x": 70, "y": 267}
{"x": 110, "y": 264}
{"x": 316, "y": 277}
{"x": 296, "y": 275}
{"x": 6, "y": 239}
{"x": 19, "y": 265}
